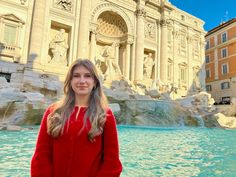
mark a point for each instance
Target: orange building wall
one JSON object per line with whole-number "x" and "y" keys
{"x": 212, "y": 44}
{"x": 211, "y": 55}
{"x": 217, "y": 92}
{"x": 231, "y": 33}
{"x": 219, "y": 39}
{"x": 212, "y": 70}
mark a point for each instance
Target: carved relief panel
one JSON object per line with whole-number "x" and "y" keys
{"x": 182, "y": 43}
{"x": 66, "y": 5}
{"x": 196, "y": 47}
{"x": 150, "y": 30}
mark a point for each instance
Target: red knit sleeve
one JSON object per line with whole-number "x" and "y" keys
{"x": 41, "y": 163}
{"x": 111, "y": 165}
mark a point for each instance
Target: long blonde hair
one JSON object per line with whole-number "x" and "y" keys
{"x": 97, "y": 105}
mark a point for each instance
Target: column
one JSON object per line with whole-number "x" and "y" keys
{"x": 83, "y": 37}
{"x": 155, "y": 66}
{"x": 93, "y": 46}
{"x": 158, "y": 71}
{"x": 139, "y": 53}
{"x": 175, "y": 75}
{"x": 127, "y": 60}
{"x": 163, "y": 54}
{"x": 37, "y": 32}
{"x": 190, "y": 57}
{"x": 117, "y": 46}
{"x": 202, "y": 58}
{"x": 132, "y": 62}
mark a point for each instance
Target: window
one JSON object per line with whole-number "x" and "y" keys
{"x": 224, "y": 85}
{"x": 223, "y": 53}
{"x": 224, "y": 68}
{"x": 207, "y": 44}
{"x": 208, "y": 73}
{"x": 208, "y": 88}
{"x": 11, "y": 28}
{"x": 183, "y": 17}
{"x": 10, "y": 34}
{"x": 223, "y": 37}
{"x": 207, "y": 59}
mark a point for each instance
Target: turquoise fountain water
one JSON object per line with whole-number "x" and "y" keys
{"x": 145, "y": 152}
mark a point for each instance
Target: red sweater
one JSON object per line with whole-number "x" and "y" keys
{"x": 72, "y": 154}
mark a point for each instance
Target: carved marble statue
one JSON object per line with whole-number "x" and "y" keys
{"x": 59, "y": 47}
{"x": 196, "y": 82}
{"x": 113, "y": 69}
{"x": 148, "y": 65}
{"x": 99, "y": 61}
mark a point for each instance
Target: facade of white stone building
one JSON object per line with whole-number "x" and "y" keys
{"x": 40, "y": 38}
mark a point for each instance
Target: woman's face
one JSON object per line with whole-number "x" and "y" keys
{"x": 82, "y": 81}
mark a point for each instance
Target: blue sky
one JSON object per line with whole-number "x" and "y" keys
{"x": 213, "y": 12}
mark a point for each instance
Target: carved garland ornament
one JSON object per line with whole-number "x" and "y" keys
{"x": 150, "y": 30}
{"x": 64, "y": 4}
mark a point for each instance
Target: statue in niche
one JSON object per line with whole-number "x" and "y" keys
{"x": 113, "y": 69}
{"x": 148, "y": 65}
{"x": 59, "y": 47}
{"x": 99, "y": 62}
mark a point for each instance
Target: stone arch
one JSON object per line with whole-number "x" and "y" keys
{"x": 111, "y": 24}
{"x": 114, "y": 36}
{"x": 113, "y": 8}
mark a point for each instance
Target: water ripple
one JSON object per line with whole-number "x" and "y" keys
{"x": 145, "y": 152}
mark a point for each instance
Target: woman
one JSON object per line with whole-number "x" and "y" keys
{"x": 78, "y": 135}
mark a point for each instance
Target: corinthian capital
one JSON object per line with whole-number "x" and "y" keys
{"x": 165, "y": 22}
{"x": 141, "y": 12}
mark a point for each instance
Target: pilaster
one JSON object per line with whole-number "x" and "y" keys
{"x": 139, "y": 53}
{"x": 83, "y": 37}
{"x": 93, "y": 45}
{"x": 37, "y": 33}
{"x": 164, "y": 54}
{"x": 127, "y": 60}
